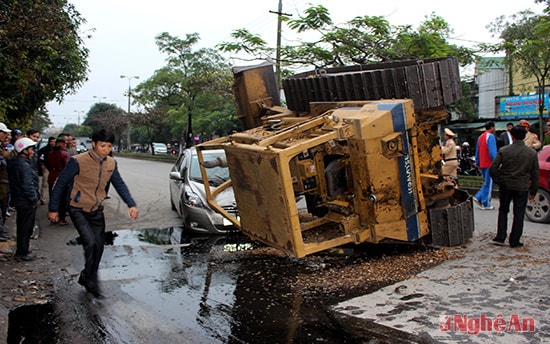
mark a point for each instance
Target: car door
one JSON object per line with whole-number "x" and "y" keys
{"x": 176, "y": 185}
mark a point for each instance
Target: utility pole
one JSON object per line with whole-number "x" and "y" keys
{"x": 280, "y": 15}
{"x": 128, "y": 114}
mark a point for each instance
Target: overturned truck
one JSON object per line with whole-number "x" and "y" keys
{"x": 353, "y": 158}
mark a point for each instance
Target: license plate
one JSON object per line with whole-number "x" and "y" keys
{"x": 226, "y": 222}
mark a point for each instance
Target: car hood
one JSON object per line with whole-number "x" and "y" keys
{"x": 225, "y": 199}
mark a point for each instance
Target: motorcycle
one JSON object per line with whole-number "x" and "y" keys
{"x": 467, "y": 166}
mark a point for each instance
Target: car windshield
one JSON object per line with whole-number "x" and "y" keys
{"x": 216, "y": 175}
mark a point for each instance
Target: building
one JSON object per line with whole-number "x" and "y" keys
{"x": 490, "y": 83}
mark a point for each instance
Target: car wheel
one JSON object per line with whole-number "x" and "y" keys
{"x": 538, "y": 210}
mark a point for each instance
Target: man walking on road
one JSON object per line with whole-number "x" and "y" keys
{"x": 516, "y": 171}
{"x": 486, "y": 150}
{"x": 86, "y": 176}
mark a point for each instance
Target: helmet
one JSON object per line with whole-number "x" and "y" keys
{"x": 465, "y": 144}
{"x": 524, "y": 123}
{"x": 4, "y": 129}
{"x": 16, "y": 132}
{"x": 23, "y": 143}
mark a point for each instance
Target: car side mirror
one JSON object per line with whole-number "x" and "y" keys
{"x": 175, "y": 176}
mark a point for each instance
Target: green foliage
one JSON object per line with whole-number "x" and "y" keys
{"x": 430, "y": 40}
{"x": 84, "y": 131}
{"x": 525, "y": 37}
{"x": 152, "y": 123}
{"x": 465, "y": 106}
{"x": 108, "y": 116}
{"x": 247, "y": 42}
{"x": 361, "y": 40}
{"x": 42, "y": 57}
{"x": 70, "y": 128}
{"x": 316, "y": 18}
{"x": 40, "y": 121}
{"x": 244, "y": 40}
{"x": 195, "y": 83}
{"x": 217, "y": 120}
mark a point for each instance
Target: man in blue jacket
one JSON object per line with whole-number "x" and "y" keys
{"x": 86, "y": 176}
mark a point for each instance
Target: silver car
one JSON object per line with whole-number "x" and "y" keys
{"x": 160, "y": 148}
{"x": 187, "y": 193}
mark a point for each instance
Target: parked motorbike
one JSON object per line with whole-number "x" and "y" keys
{"x": 467, "y": 166}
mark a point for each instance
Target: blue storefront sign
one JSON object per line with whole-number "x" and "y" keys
{"x": 525, "y": 106}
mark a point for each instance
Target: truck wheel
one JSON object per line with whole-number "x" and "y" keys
{"x": 539, "y": 209}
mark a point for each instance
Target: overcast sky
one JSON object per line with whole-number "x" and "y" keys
{"x": 123, "y": 33}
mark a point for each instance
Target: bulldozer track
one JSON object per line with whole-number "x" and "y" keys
{"x": 430, "y": 83}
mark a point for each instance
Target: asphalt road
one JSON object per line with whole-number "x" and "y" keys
{"x": 173, "y": 293}
{"x": 143, "y": 307}
{"x": 485, "y": 294}
{"x": 119, "y": 318}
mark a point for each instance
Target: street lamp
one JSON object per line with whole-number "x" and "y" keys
{"x": 129, "y": 96}
{"x": 79, "y": 112}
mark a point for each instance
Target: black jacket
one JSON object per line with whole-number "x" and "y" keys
{"x": 516, "y": 167}
{"x": 503, "y": 140}
{"x": 23, "y": 182}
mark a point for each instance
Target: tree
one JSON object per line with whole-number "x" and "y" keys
{"x": 362, "y": 40}
{"x": 70, "y": 128}
{"x": 40, "y": 121}
{"x": 151, "y": 122}
{"x": 177, "y": 89}
{"x": 526, "y": 41}
{"x": 159, "y": 95}
{"x": 42, "y": 56}
{"x": 219, "y": 118}
{"x": 84, "y": 131}
{"x": 108, "y": 116}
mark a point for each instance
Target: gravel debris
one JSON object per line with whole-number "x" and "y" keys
{"x": 342, "y": 273}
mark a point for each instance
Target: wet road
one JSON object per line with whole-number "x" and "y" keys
{"x": 165, "y": 286}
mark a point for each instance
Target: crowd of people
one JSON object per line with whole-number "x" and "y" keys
{"x": 509, "y": 160}
{"x": 73, "y": 185}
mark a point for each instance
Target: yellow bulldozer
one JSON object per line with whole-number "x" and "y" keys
{"x": 353, "y": 157}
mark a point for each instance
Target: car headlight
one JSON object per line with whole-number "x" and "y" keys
{"x": 192, "y": 199}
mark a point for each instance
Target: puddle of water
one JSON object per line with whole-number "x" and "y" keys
{"x": 32, "y": 324}
{"x": 206, "y": 288}
{"x": 215, "y": 288}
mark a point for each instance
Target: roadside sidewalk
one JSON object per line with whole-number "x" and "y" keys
{"x": 467, "y": 298}
{"x": 24, "y": 283}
